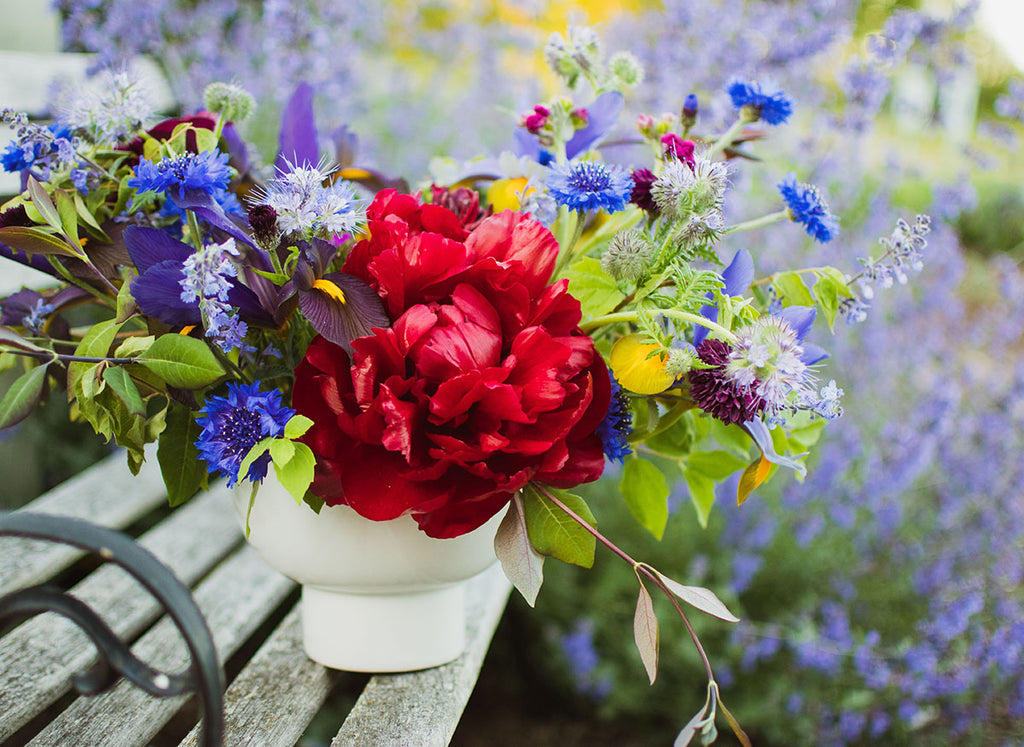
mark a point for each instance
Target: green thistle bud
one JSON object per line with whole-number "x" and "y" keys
{"x": 626, "y": 69}
{"x": 630, "y": 257}
{"x": 232, "y": 102}
{"x": 679, "y": 362}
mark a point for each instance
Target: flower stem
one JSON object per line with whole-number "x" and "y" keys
{"x": 726, "y": 138}
{"x": 631, "y": 316}
{"x": 647, "y": 570}
{"x": 764, "y": 220}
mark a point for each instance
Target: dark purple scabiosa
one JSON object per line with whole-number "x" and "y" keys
{"x": 643, "y": 180}
{"x": 758, "y": 101}
{"x": 263, "y": 222}
{"x": 617, "y": 425}
{"x": 715, "y": 392}
{"x": 587, "y": 186}
{"x": 232, "y": 425}
{"x": 805, "y": 205}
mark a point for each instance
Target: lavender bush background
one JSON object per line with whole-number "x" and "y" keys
{"x": 881, "y": 597}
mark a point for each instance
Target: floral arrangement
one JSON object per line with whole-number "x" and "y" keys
{"x": 487, "y": 341}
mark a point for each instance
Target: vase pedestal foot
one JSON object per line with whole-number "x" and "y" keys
{"x": 391, "y": 632}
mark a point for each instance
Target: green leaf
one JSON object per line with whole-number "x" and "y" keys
{"x": 88, "y": 219}
{"x": 133, "y": 347}
{"x": 806, "y": 436}
{"x": 731, "y": 437}
{"x": 296, "y": 474}
{"x": 183, "y": 471}
{"x": 522, "y": 564}
{"x": 278, "y": 278}
{"x": 717, "y": 465}
{"x": 37, "y": 241}
{"x": 126, "y": 305}
{"x": 182, "y": 361}
{"x": 552, "y": 531}
{"x": 296, "y": 426}
{"x": 677, "y": 440}
{"x": 23, "y": 396}
{"x": 702, "y": 494}
{"x": 11, "y": 339}
{"x": 838, "y": 278}
{"x": 68, "y": 215}
{"x": 827, "y": 293}
{"x": 644, "y": 489}
{"x": 95, "y": 344}
{"x": 125, "y": 388}
{"x": 43, "y": 204}
{"x": 791, "y": 289}
{"x": 593, "y": 287}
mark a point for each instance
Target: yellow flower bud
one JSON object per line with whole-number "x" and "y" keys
{"x": 637, "y": 372}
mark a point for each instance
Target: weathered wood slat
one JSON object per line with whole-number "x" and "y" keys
{"x": 277, "y": 695}
{"x": 38, "y": 659}
{"x": 422, "y": 709}
{"x": 106, "y": 494}
{"x": 234, "y": 600}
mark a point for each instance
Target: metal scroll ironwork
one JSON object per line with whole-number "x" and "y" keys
{"x": 204, "y": 676}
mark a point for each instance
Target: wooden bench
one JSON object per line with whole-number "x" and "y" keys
{"x": 274, "y": 692}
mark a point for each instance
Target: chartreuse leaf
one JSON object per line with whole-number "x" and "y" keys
{"x": 702, "y": 494}
{"x": 126, "y": 305}
{"x": 552, "y": 531}
{"x": 182, "y": 361}
{"x": 644, "y": 489}
{"x": 295, "y": 473}
{"x": 23, "y": 395}
{"x": 43, "y": 204}
{"x": 827, "y": 294}
{"x": 645, "y": 631}
{"x": 731, "y": 437}
{"x": 791, "y": 289}
{"x": 595, "y": 288}
{"x": 837, "y": 277}
{"x": 522, "y": 564}
{"x": 183, "y": 471}
{"x": 125, "y": 388}
{"x": 717, "y": 465}
{"x": 677, "y": 440}
{"x": 296, "y": 426}
{"x": 68, "y": 215}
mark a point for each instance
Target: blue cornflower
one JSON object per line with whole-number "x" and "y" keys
{"x": 806, "y": 205}
{"x": 617, "y": 425}
{"x": 590, "y": 185}
{"x": 232, "y": 425}
{"x": 178, "y": 176}
{"x": 766, "y": 103}
{"x": 206, "y": 281}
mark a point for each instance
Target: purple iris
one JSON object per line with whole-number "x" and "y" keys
{"x": 160, "y": 260}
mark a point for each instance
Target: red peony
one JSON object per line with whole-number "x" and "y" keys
{"x": 483, "y": 383}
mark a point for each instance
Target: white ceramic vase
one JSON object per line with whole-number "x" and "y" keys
{"x": 377, "y": 596}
